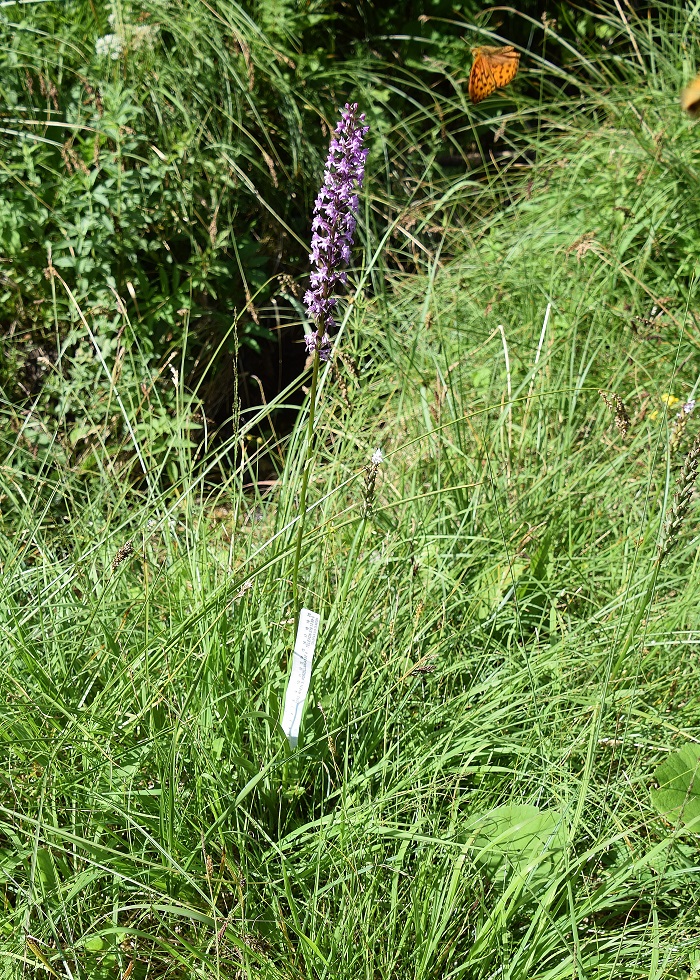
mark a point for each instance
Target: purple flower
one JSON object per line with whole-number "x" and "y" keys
{"x": 334, "y": 224}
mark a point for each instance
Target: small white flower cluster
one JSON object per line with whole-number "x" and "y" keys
{"x": 140, "y": 36}
{"x": 687, "y": 408}
{"x": 133, "y": 36}
{"x": 109, "y": 46}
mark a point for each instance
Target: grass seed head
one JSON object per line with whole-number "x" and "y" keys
{"x": 679, "y": 423}
{"x": 685, "y": 486}
{"x": 371, "y": 471}
{"x": 617, "y": 407}
{"x": 126, "y": 550}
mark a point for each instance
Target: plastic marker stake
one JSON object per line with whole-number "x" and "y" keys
{"x": 300, "y": 678}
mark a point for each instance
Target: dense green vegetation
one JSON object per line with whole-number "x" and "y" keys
{"x": 495, "y": 774}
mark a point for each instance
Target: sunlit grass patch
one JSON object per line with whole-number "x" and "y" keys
{"x": 504, "y": 667}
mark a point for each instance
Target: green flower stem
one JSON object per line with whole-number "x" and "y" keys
{"x": 290, "y": 768}
{"x": 308, "y": 455}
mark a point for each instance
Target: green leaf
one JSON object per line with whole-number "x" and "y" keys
{"x": 540, "y": 560}
{"x": 677, "y": 798}
{"x": 46, "y": 869}
{"x": 519, "y": 840}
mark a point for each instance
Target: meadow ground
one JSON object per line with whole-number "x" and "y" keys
{"x": 495, "y": 773}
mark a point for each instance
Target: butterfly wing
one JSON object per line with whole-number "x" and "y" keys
{"x": 504, "y": 65}
{"x": 492, "y": 68}
{"x": 481, "y": 80}
{"x": 690, "y": 98}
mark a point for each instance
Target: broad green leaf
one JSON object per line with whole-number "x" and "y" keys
{"x": 677, "y": 798}
{"x": 519, "y": 839}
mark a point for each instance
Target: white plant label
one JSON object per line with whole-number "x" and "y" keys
{"x": 300, "y": 678}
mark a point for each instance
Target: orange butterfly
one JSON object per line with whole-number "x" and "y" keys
{"x": 492, "y": 68}
{"x": 690, "y": 98}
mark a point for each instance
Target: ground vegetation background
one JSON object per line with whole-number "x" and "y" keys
{"x": 496, "y": 773}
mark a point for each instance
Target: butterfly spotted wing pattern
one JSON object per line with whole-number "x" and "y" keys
{"x": 492, "y": 68}
{"x": 481, "y": 80}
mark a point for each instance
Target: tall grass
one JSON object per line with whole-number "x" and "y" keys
{"x": 470, "y": 796}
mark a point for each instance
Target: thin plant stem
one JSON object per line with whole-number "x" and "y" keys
{"x": 308, "y": 455}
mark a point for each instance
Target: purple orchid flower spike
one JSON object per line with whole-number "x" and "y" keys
{"x": 335, "y": 217}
